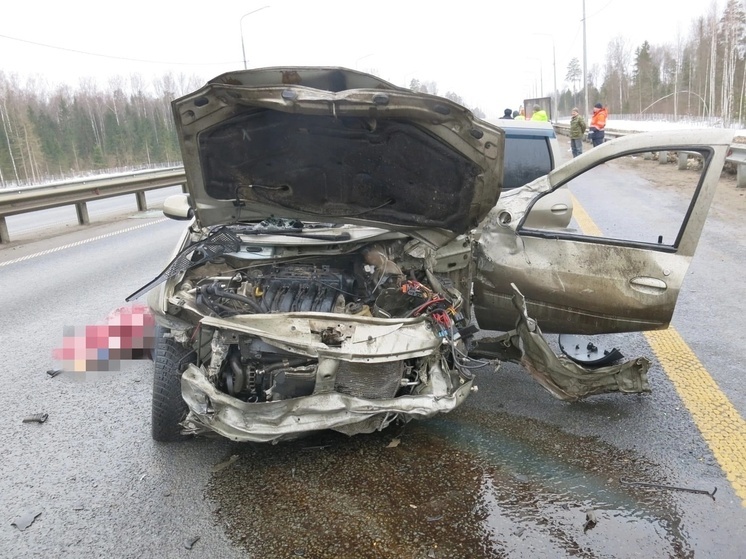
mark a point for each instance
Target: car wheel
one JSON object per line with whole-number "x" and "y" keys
{"x": 169, "y": 408}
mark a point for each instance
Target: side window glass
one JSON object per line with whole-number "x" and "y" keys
{"x": 635, "y": 198}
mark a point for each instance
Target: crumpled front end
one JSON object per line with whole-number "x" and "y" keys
{"x": 353, "y": 374}
{"x": 214, "y": 411}
{"x": 349, "y": 337}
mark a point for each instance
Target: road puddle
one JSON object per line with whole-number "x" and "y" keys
{"x": 466, "y": 485}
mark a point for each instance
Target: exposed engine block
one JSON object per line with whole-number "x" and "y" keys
{"x": 304, "y": 289}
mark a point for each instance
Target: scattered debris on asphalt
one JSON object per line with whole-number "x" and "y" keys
{"x": 54, "y": 372}
{"x": 189, "y": 542}
{"x": 394, "y": 443}
{"x": 590, "y": 521}
{"x": 671, "y": 487}
{"x": 223, "y": 465}
{"x": 36, "y": 418}
{"x": 25, "y": 520}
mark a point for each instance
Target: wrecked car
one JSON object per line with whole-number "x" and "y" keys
{"x": 346, "y": 242}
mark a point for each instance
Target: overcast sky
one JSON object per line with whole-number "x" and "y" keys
{"x": 493, "y": 54}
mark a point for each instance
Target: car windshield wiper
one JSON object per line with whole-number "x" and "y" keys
{"x": 297, "y": 233}
{"x": 220, "y": 241}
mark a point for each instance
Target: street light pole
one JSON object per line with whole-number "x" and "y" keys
{"x": 240, "y": 24}
{"x": 541, "y": 75}
{"x": 585, "y": 70}
{"x": 555, "y": 95}
{"x": 556, "y": 91}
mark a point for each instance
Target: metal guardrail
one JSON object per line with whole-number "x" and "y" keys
{"x": 564, "y": 129}
{"x": 78, "y": 193}
{"x": 737, "y": 154}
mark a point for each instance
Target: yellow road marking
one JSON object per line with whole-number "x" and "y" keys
{"x": 586, "y": 224}
{"x": 720, "y": 424}
{"x": 716, "y": 418}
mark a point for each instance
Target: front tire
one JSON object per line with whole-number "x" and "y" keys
{"x": 169, "y": 408}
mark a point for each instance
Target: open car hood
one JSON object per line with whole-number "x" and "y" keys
{"x": 332, "y": 144}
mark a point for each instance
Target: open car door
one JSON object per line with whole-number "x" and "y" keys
{"x": 640, "y": 204}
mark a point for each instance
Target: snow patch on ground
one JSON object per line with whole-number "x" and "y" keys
{"x": 653, "y": 125}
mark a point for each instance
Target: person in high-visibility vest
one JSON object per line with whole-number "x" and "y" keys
{"x": 598, "y": 124}
{"x": 539, "y": 114}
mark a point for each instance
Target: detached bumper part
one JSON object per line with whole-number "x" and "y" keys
{"x": 213, "y": 411}
{"x": 563, "y": 378}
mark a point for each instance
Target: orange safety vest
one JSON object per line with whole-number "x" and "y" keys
{"x": 598, "y": 120}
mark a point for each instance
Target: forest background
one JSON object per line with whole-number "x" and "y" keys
{"x": 52, "y": 134}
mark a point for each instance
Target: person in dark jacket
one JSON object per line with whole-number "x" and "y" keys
{"x": 507, "y": 113}
{"x": 577, "y": 130}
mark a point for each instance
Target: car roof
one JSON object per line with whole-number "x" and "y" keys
{"x": 524, "y": 127}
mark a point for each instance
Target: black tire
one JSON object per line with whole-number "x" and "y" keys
{"x": 169, "y": 408}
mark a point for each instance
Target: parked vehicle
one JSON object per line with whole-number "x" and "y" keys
{"x": 339, "y": 226}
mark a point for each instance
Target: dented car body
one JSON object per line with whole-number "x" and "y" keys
{"x": 347, "y": 238}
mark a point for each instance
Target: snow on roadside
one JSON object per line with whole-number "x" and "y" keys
{"x": 632, "y": 126}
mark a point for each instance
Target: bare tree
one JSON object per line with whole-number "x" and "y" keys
{"x": 731, "y": 34}
{"x": 454, "y": 97}
{"x": 574, "y": 74}
{"x": 618, "y": 56}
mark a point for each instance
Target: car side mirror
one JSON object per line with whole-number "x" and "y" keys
{"x": 177, "y": 207}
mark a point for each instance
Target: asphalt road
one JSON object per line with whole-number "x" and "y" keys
{"x": 512, "y": 473}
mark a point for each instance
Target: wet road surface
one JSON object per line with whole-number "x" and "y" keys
{"x": 512, "y": 473}
{"x": 470, "y": 484}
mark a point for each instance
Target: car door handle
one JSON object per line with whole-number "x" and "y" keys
{"x": 559, "y": 208}
{"x": 648, "y": 285}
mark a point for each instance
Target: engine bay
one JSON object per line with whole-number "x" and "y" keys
{"x": 384, "y": 283}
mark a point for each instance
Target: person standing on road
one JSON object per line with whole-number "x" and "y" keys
{"x": 521, "y": 114}
{"x": 598, "y": 124}
{"x": 577, "y": 130}
{"x": 539, "y": 114}
{"x": 507, "y": 114}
